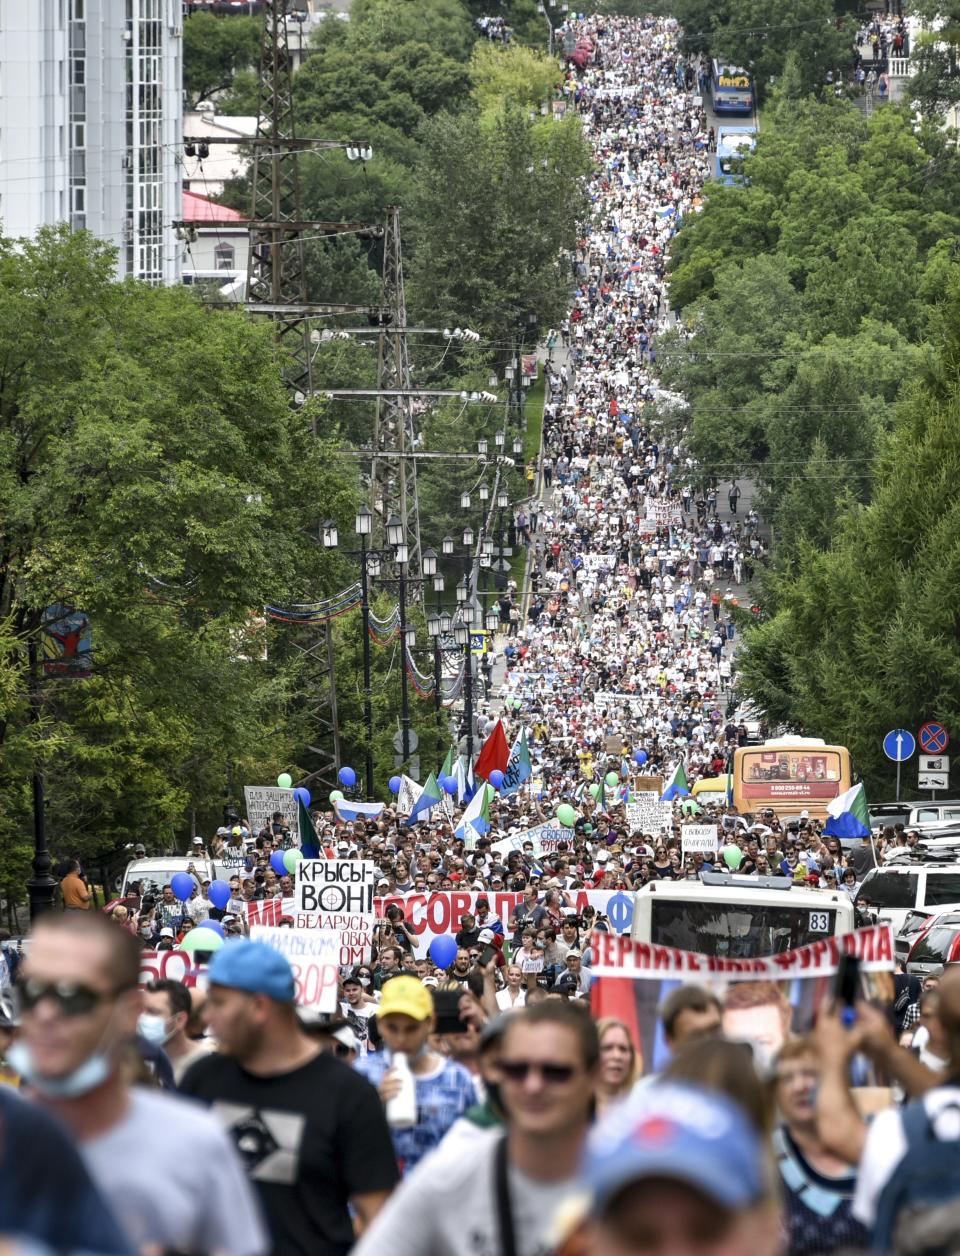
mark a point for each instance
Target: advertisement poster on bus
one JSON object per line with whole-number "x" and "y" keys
{"x": 762, "y": 1001}
{"x": 790, "y": 775}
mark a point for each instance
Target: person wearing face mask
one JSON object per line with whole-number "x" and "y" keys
{"x": 79, "y": 1000}
{"x": 163, "y": 1022}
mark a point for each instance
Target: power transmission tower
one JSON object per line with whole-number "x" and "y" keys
{"x": 393, "y": 480}
{"x": 276, "y": 280}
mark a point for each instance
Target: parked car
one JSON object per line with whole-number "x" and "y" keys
{"x": 883, "y": 813}
{"x": 934, "y": 815}
{"x": 893, "y": 891}
{"x": 937, "y": 945}
{"x": 910, "y": 930}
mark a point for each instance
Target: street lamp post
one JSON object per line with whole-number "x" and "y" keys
{"x": 41, "y": 886}
{"x": 363, "y": 526}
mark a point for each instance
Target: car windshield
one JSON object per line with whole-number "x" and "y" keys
{"x": 934, "y": 946}
{"x": 889, "y": 889}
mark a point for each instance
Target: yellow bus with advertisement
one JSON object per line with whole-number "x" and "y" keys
{"x": 789, "y": 775}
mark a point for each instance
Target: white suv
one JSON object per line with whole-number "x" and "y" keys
{"x": 893, "y": 891}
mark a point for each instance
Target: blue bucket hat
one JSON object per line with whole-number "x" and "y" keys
{"x": 255, "y": 968}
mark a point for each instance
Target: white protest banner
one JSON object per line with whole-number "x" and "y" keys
{"x": 263, "y": 800}
{"x": 599, "y": 562}
{"x": 643, "y": 812}
{"x": 437, "y": 913}
{"x": 698, "y": 838}
{"x": 354, "y": 929}
{"x": 315, "y": 959}
{"x": 546, "y": 839}
{"x": 169, "y": 966}
{"x": 763, "y": 1001}
{"x": 623, "y": 957}
{"x": 336, "y": 885}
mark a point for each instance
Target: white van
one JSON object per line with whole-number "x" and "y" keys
{"x": 154, "y": 874}
{"x": 930, "y": 816}
{"x": 738, "y": 917}
{"x": 893, "y": 891}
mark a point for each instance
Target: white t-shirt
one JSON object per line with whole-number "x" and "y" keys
{"x": 506, "y": 1001}
{"x": 886, "y": 1146}
{"x": 446, "y": 1207}
{"x": 173, "y": 1178}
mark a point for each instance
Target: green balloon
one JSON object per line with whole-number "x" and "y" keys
{"x": 201, "y": 940}
{"x": 594, "y": 791}
{"x": 284, "y": 780}
{"x": 588, "y": 828}
{"x": 291, "y": 858}
{"x": 566, "y": 815}
{"x": 732, "y": 857}
{"x": 690, "y": 808}
{"x": 336, "y": 795}
{"x": 612, "y": 780}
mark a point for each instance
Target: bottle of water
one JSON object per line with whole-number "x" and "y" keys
{"x": 402, "y": 1108}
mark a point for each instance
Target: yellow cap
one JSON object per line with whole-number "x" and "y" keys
{"x": 407, "y": 997}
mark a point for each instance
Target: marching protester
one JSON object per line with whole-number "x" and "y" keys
{"x": 310, "y": 1130}
{"x": 80, "y": 1002}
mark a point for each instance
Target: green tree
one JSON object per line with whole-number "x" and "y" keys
{"x": 153, "y": 475}
{"x": 866, "y": 632}
{"x": 760, "y": 34}
{"x": 935, "y": 58}
{"x": 215, "y": 50}
{"x": 492, "y": 209}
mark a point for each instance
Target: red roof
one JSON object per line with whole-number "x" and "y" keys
{"x": 202, "y": 209}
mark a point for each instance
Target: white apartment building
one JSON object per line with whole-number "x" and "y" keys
{"x": 91, "y": 116}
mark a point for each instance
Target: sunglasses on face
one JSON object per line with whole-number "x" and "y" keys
{"x": 71, "y": 998}
{"x": 520, "y": 1070}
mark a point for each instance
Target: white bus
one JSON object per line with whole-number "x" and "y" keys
{"x": 738, "y": 917}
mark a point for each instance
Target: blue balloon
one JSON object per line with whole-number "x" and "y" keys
{"x": 347, "y": 778}
{"x": 277, "y": 864}
{"x": 496, "y": 778}
{"x": 449, "y": 784}
{"x": 215, "y": 925}
{"x": 302, "y": 795}
{"x": 183, "y": 885}
{"x": 395, "y": 784}
{"x": 443, "y": 951}
{"x": 219, "y": 894}
{"x": 640, "y": 757}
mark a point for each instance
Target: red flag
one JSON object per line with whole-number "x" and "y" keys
{"x": 495, "y": 753}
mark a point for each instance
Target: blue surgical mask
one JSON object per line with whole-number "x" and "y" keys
{"x": 153, "y": 1028}
{"x": 93, "y": 1072}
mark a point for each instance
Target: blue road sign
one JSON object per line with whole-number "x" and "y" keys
{"x": 899, "y": 744}
{"x": 933, "y": 737}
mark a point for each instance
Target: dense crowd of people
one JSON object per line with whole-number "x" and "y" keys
{"x": 468, "y": 1100}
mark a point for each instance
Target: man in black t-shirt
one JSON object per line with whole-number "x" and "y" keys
{"x": 310, "y": 1130}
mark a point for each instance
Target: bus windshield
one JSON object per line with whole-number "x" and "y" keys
{"x": 737, "y": 930}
